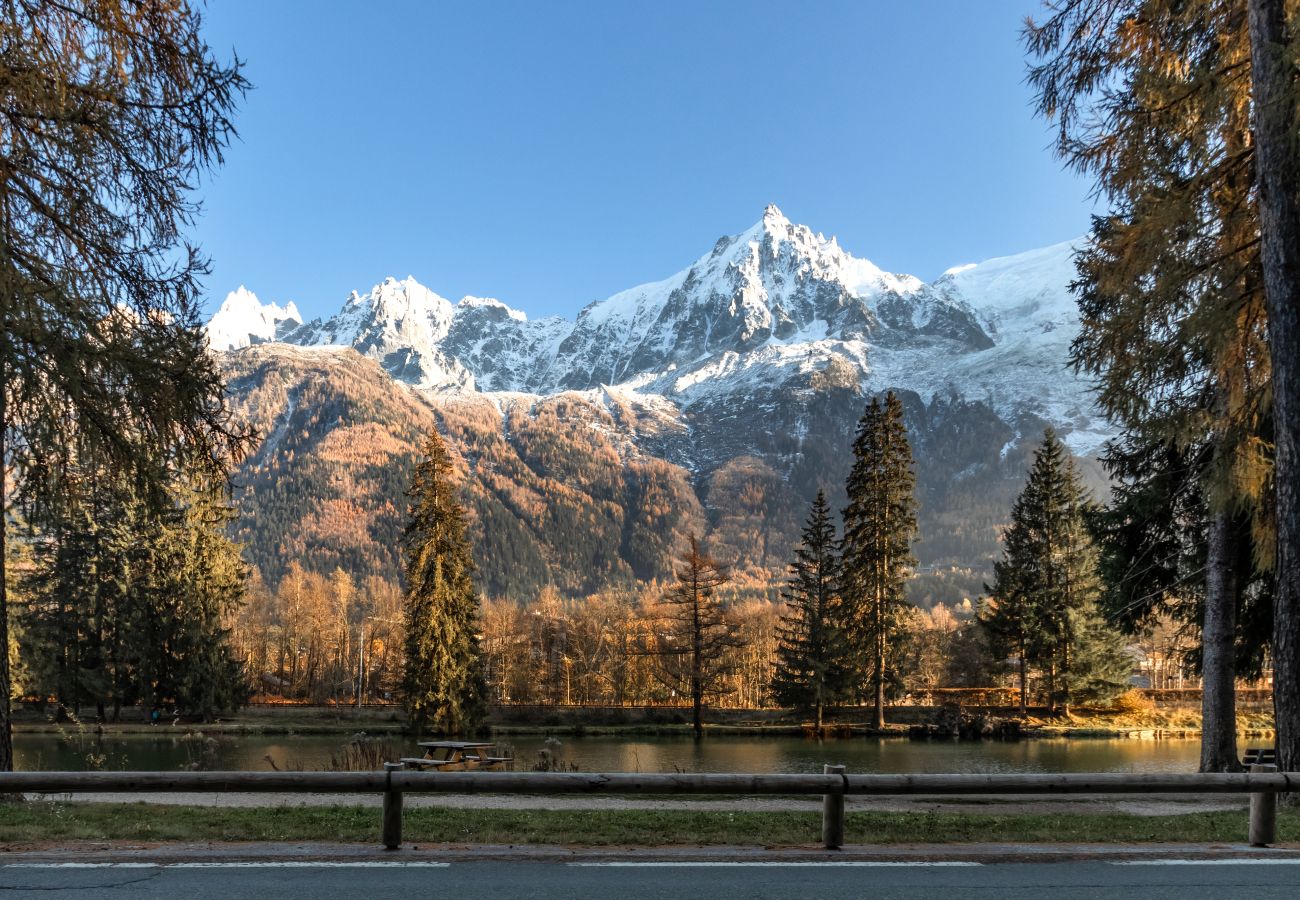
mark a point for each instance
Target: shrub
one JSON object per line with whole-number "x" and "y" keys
{"x": 1133, "y": 703}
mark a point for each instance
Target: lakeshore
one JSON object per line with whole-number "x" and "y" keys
{"x": 1160, "y": 722}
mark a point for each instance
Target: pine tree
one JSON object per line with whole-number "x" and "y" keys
{"x": 128, "y": 602}
{"x": 77, "y": 592}
{"x": 1152, "y": 532}
{"x": 1010, "y": 614}
{"x": 114, "y": 111}
{"x": 1153, "y": 99}
{"x": 16, "y": 566}
{"x": 443, "y": 681}
{"x": 1047, "y": 587}
{"x": 811, "y": 665}
{"x": 199, "y": 595}
{"x": 1100, "y": 666}
{"x": 1161, "y": 549}
{"x": 876, "y": 549}
{"x": 699, "y": 630}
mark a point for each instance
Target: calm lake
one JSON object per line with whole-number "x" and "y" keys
{"x": 628, "y": 754}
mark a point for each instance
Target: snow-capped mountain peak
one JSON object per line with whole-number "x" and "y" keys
{"x": 243, "y": 320}
{"x": 468, "y": 302}
{"x": 761, "y": 307}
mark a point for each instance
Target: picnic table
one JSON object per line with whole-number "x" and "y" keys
{"x": 457, "y": 756}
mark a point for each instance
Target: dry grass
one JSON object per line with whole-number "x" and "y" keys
{"x": 38, "y": 822}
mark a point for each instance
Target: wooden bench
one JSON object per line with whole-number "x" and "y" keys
{"x": 1260, "y": 756}
{"x": 421, "y": 762}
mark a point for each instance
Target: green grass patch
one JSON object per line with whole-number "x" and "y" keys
{"x": 51, "y": 821}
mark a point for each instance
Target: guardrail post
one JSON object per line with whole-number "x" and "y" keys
{"x": 833, "y": 812}
{"x": 392, "y": 820}
{"x": 1263, "y": 812}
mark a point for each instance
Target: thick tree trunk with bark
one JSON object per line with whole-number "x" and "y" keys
{"x": 6, "y": 724}
{"x": 6, "y": 721}
{"x": 1277, "y": 169}
{"x": 1218, "y": 662}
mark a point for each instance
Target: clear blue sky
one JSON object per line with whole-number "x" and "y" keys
{"x": 552, "y": 153}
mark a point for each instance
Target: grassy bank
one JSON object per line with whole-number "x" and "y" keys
{"x": 44, "y": 822}
{"x": 269, "y": 720}
{"x": 1149, "y": 723}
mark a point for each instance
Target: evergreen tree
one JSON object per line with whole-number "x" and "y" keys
{"x": 699, "y": 630}
{"x": 1160, "y": 546}
{"x": 1153, "y": 99}
{"x": 196, "y": 588}
{"x": 811, "y": 668}
{"x": 128, "y": 603}
{"x": 1046, "y": 588}
{"x": 16, "y": 565}
{"x": 113, "y": 111}
{"x": 1152, "y": 532}
{"x": 76, "y": 594}
{"x": 443, "y": 681}
{"x": 1010, "y": 615}
{"x": 876, "y": 549}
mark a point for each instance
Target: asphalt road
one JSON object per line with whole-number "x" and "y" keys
{"x": 1150, "y": 879}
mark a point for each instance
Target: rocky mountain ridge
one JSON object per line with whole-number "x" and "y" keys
{"x": 748, "y": 367}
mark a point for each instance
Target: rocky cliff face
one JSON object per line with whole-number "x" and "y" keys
{"x": 716, "y": 400}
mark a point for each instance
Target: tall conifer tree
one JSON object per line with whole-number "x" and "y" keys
{"x": 1011, "y": 615}
{"x": 1152, "y": 99}
{"x": 128, "y": 603}
{"x": 443, "y": 682}
{"x": 811, "y": 664}
{"x": 1047, "y": 586}
{"x": 876, "y": 549}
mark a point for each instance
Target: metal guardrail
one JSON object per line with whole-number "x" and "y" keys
{"x": 834, "y": 785}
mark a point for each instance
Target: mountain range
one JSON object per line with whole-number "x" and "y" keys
{"x": 717, "y": 401}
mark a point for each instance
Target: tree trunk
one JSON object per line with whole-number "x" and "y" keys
{"x": 1278, "y": 173}
{"x": 1024, "y": 686}
{"x": 697, "y": 670}
{"x": 817, "y": 716}
{"x": 1051, "y": 686}
{"x": 6, "y": 723}
{"x": 1065, "y": 678}
{"x": 1218, "y": 663}
{"x": 697, "y": 712}
{"x": 880, "y": 677}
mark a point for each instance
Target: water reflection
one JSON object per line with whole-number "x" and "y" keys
{"x": 639, "y": 754}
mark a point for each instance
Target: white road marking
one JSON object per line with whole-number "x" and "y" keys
{"x": 282, "y": 864}
{"x": 74, "y": 865}
{"x": 1226, "y": 861}
{"x": 686, "y": 864}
